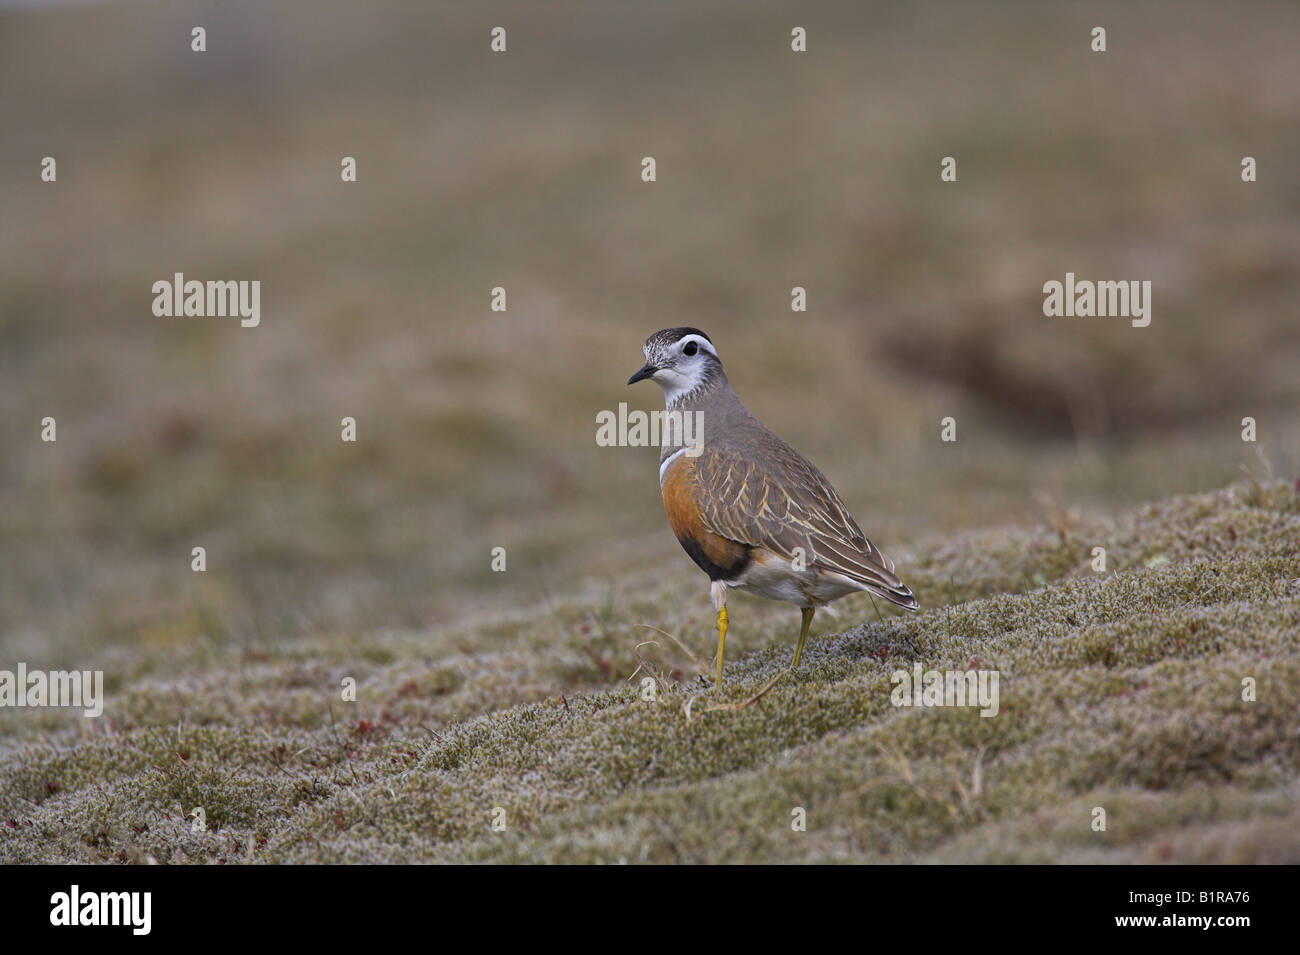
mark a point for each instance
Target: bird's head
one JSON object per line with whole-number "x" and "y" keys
{"x": 681, "y": 361}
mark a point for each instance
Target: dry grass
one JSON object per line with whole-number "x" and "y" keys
{"x": 1120, "y": 690}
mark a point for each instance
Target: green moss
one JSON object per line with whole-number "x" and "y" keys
{"x": 1120, "y": 690}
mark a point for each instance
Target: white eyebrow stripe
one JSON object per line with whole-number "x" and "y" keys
{"x": 669, "y": 460}
{"x": 702, "y": 342}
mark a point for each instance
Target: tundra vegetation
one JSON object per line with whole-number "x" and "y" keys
{"x": 537, "y": 738}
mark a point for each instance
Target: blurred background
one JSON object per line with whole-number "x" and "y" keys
{"x": 476, "y": 429}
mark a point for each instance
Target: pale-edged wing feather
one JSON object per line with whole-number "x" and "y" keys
{"x": 771, "y": 496}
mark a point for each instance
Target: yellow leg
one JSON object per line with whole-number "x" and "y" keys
{"x": 722, "y": 639}
{"x": 803, "y": 632}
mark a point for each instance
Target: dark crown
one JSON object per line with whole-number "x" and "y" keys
{"x": 668, "y": 336}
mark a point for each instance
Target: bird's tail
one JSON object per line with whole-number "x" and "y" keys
{"x": 900, "y": 596}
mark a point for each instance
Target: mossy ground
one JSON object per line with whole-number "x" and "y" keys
{"x": 1120, "y": 690}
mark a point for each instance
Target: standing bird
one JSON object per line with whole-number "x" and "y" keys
{"x": 751, "y": 511}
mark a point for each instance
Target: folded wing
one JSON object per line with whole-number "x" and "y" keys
{"x": 778, "y": 500}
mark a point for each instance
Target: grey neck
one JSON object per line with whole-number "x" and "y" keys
{"x": 690, "y": 416}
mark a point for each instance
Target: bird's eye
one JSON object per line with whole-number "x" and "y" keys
{"x": 690, "y": 349}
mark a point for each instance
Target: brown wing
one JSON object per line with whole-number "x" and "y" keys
{"x": 779, "y": 500}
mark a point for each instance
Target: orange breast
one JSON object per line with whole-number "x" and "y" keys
{"x": 720, "y": 558}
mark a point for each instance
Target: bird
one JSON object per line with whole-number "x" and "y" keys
{"x": 753, "y": 513}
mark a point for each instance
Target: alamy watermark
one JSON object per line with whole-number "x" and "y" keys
{"x": 639, "y": 429}
{"x": 1087, "y": 299}
{"x": 76, "y": 688}
{"x": 210, "y": 299}
{"x": 946, "y": 688}
{"x": 130, "y": 909}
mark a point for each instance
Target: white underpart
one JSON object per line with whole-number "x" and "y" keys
{"x": 775, "y": 578}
